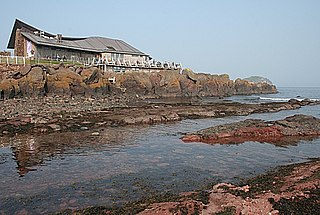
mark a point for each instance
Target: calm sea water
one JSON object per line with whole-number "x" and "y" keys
{"x": 49, "y": 173}
{"x": 284, "y": 94}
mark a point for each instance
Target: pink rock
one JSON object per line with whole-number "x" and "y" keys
{"x": 191, "y": 138}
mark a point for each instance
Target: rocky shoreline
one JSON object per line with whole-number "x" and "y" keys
{"x": 47, "y": 115}
{"x": 291, "y": 189}
{"x": 71, "y": 80}
{"x": 41, "y": 99}
{"x": 291, "y": 128}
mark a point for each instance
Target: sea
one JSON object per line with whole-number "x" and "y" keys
{"x": 48, "y": 173}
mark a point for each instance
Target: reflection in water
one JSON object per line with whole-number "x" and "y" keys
{"x": 31, "y": 151}
{"x": 26, "y": 155}
{"x": 81, "y": 169}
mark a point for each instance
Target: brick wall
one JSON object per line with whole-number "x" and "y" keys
{"x": 19, "y": 44}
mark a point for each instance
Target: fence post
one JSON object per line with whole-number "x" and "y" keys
{"x": 24, "y": 61}
{"x": 8, "y": 60}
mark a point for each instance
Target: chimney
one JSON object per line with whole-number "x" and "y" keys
{"x": 59, "y": 38}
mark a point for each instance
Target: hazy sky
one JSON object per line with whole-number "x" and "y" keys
{"x": 278, "y": 39}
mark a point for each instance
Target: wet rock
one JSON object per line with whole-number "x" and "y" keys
{"x": 294, "y": 189}
{"x": 294, "y": 127}
{"x": 34, "y": 114}
{"x": 191, "y": 138}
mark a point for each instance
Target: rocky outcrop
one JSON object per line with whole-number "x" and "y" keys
{"x": 293, "y": 127}
{"x": 40, "y": 80}
{"x": 51, "y": 114}
{"x": 258, "y": 79}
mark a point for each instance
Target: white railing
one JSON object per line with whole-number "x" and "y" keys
{"x": 18, "y": 60}
{"x": 136, "y": 64}
{"x": 117, "y": 64}
{"x": 13, "y": 60}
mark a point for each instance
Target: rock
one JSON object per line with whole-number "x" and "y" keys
{"x": 65, "y": 82}
{"x": 25, "y": 70}
{"x": 94, "y": 77}
{"x": 9, "y": 88}
{"x": 290, "y": 195}
{"x": 33, "y": 84}
{"x": 34, "y": 115}
{"x": 258, "y": 79}
{"x": 190, "y": 75}
{"x": 50, "y": 71}
{"x": 95, "y": 134}
{"x": 17, "y": 75}
{"x": 55, "y": 127}
{"x": 295, "y": 127}
{"x": 58, "y": 66}
{"x": 191, "y": 138}
{"x": 39, "y": 80}
{"x": 79, "y": 70}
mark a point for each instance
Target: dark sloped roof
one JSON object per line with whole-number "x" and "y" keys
{"x": 90, "y": 44}
{"x": 25, "y": 28}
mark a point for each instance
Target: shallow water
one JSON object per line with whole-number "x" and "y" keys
{"x": 49, "y": 173}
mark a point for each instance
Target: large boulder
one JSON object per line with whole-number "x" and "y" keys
{"x": 65, "y": 82}
{"x": 33, "y": 84}
{"x": 169, "y": 85}
{"x": 9, "y": 88}
{"x": 96, "y": 82}
{"x": 246, "y": 87}
{"x": 134, "y": 83}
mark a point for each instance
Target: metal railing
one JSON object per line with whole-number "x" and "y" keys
{"x": 116, "y": 64}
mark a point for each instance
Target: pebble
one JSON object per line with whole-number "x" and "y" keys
{"x": 53, "y": 106}
{"x": 95, "y": 134}
{"x": 55, "y": 127}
